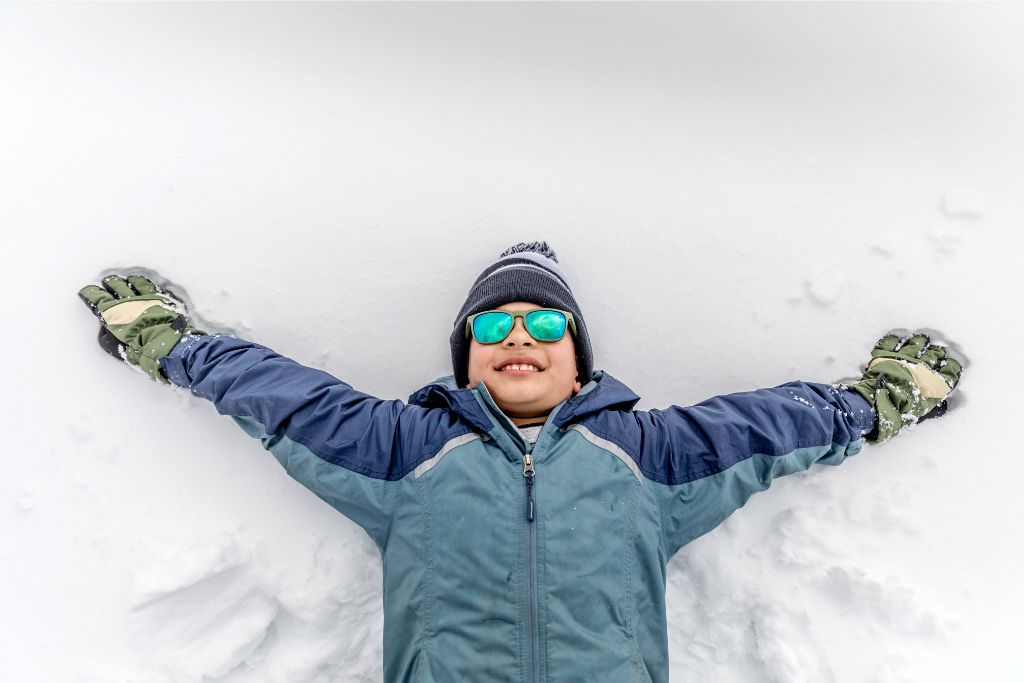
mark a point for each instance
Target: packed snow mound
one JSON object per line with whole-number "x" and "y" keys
{"x": 219, "y": 611}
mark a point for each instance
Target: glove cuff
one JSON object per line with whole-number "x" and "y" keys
{"x": 159, "y": 343}
{"x": 865, "y": 388}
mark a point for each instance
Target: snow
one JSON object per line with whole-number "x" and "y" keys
{"x": 742, "y": 195}
{"x": 826, "y": 286}
{"x": 187, "y": 567}
{"x": 964, "y": 203}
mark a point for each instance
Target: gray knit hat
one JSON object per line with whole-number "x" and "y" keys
{"x": 527, "y": 271}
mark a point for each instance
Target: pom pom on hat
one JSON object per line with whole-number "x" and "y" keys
{"x": 541, "y": 248}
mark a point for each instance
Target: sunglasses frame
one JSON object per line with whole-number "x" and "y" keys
{"x": 571, "y": 324}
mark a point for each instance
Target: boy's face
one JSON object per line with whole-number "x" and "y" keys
{"x": 525, "y": 396}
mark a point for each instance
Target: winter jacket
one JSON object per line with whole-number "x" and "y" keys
{"x": 490, "y": 575}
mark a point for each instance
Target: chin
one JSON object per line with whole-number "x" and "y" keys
{"x": 522, "y": 391}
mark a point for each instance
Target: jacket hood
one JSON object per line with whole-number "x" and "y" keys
{"x": 602, "y": 392}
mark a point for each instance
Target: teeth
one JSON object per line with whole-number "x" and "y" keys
{"x": 517, "y": 366}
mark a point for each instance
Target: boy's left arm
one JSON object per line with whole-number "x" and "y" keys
{"x": 705, "y": 461}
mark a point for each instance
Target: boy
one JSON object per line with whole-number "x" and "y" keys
{"x": 524, "y": 512}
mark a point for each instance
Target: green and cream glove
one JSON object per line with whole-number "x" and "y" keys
{"x": 906, "y": 381}
{"x": 139, "y": 322}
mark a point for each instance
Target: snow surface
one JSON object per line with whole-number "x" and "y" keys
{"x": 743, "y": 195}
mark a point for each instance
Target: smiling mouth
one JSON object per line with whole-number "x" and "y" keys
{"x": 508, "y": 370}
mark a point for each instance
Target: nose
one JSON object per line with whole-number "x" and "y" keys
{"x": 519, "y": 334}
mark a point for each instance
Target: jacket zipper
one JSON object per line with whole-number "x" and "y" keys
{"x": 531, "y": 559}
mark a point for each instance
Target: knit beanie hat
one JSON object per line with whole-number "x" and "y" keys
{"x": 527, "y": 271}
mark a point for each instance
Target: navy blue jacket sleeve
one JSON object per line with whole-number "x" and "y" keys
{"x": 706, "y": 460}
{"x": 344, "y": 445}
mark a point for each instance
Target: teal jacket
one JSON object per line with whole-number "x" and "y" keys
{"x": 493, "y": 575}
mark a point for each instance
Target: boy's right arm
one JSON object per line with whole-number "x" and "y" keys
{"x": 344, "y": 445}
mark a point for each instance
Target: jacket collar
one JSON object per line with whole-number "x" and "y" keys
{"x": 603, "y": 392}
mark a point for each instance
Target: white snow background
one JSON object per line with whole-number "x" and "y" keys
{"x": 742, "y": 195}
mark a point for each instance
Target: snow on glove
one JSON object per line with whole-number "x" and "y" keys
{"x": 139, "y": 323}
{"x": 906, "y": 382}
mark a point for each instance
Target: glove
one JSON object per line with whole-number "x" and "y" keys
{"x": 139, "y": 323}
{"x": 906, "y": 382}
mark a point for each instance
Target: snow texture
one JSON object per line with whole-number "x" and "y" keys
{"x": 742, "y": 195}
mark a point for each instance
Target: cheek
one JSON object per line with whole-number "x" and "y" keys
{"x": 478, "y": 359}
{"x": 567, "y": 360}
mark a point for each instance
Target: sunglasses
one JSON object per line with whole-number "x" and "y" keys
{"x": 543, "y": 324}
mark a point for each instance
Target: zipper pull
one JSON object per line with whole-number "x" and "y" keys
{"x": 528, "y": 473}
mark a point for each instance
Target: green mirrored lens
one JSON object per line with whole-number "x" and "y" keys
{"x": 489, "y": 328}
{"x": 545, "y": 325}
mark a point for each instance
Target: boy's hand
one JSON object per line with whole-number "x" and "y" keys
{"x": 906, "y": 381}
{"x": 139, "y": 322}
